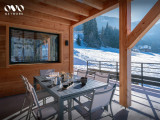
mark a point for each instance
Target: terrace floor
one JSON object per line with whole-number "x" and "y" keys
{"x": 145, "y": 106}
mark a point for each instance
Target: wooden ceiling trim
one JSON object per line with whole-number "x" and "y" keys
{"x": 46, "y": 17}
{"x": 42, "y": 16}
{"x": 68, "y": 6}
{"x": 108, "y": 6}
{"x": 145, "y": 25}
{"x": 93, "y": 3}
{"x": 44, "y": 8}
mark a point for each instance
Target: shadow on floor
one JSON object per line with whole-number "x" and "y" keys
{"x": 121, "y": 115}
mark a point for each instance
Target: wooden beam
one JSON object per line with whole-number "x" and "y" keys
{"x": 68, "y": 6}
{"x": 93, "y": 3}
{"x": 145, "y": 25}
{"x": 108, "y": 6}
{"x": 44, "y": 8}
{"x": 124, "y": 53}
{"x": 71, "y": 49}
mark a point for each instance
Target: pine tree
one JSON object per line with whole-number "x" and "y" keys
{"x": 110, "y": 37}
{"x": 91, "y": 37}
{"x": 102, "y": 36}
{"x": 78, "y": 41}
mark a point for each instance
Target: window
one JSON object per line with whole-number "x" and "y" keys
{"x": 28, "y": 46}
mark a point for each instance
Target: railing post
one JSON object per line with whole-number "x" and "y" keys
{"x": 117, "y": 70}
{"x": 142, "y": 73}
{"x": 87, "y": 65}
{"x": 100, "y": 66}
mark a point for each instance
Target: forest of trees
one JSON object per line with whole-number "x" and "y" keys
{"x": 107, "y": 37}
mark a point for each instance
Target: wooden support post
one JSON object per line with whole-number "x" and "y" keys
{"x": 71, "y": 50}
{"x": 49, "y": 52}
{"x": 124, "y": 52}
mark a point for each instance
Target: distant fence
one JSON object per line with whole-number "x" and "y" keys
{"x": 143, "y": 73}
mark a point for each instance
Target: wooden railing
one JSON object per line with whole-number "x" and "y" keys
{"x": 142, "y": 73}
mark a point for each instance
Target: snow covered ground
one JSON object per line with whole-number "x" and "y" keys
{"x": 82, "y": 54}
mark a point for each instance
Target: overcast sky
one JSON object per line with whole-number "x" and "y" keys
{"x": 139, "y": 9}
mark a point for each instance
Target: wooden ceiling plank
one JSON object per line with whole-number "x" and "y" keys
{"x": 46, "y": 17}
{"x": 93, "y": 3}
{"x": 44, "y": 8}
{"x": 109, "y": 5}
{"x": 145, "y": 25}
{"x": 68, "y": 6}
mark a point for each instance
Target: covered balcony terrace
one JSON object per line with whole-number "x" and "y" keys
{"x": 51, "y": 23}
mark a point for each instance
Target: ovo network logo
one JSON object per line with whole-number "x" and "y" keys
{"x": 14, "y": 9}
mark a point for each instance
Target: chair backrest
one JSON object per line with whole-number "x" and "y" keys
{"x": 25, "y": 81}
{"x": 33, "y": 96}
{"x": 46, "y": 72}
{"x": 102, "y": 77}
{"x": 81, "y": 73}
{"x": 102, "y": 97}
{"x": 90, "y": 74}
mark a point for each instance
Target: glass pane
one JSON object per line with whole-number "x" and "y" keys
{"x": 33, "y": 47}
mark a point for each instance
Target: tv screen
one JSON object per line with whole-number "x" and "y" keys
{"x": 27, "y": 46}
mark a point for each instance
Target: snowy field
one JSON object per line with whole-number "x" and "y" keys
{"x": 83, "y": 54}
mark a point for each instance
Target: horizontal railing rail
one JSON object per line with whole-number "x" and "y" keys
{"x": 141, "y": 73}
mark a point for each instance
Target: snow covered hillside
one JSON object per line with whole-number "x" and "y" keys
{"x": 82, "y": 54}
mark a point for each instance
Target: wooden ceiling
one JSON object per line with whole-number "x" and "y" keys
{"x": 70, "y": 12}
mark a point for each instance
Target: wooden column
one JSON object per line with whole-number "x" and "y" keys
{"x": 124, "y": 53}
{"x": 71, "y": 49}
{"x": 49, "y": 52}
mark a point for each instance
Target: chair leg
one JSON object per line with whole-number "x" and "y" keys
{"x": 111, "y": 111}
{"x": 90, "y": 117}
{"x": 29, "y": 112}
{"x": 44, "y": 101}
{"x": 73, "y": 104}
{"x": 23, "y": 102}
{"x": 106, "y": 108}
{"x": 79, "y": 98}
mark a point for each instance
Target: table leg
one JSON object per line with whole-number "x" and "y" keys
{"x": 70, "y": 109}
{"x": 35, "y": 84}
{"x": 60, "y": 112}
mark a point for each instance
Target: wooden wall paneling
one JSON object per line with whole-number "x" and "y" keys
{"x": 10, "y": 75}
{"x": 71, "y": 50}
{"x": 2, "y": 46}
{"x": 145, "y": 25}
{"x": 7, "y": 46}
{"x": 124, "y": 52}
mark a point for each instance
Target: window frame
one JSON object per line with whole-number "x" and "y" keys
{"x": 35, "y": 31}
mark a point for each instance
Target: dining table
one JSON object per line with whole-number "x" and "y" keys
{"x": 75, "y": 90}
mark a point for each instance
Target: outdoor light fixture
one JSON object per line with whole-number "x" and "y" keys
{"x": 66, "y": 43}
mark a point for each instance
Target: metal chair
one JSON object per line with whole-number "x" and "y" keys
{"x": 42, "y": 94}
{"x": 101, "y": 99}
{"x": 101, "y": 77}
{"x": 90, "y": 74}
{"x": 46, "y": 72}
{"x": 40, "y": 112}
{"x": 81, "y": 73}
